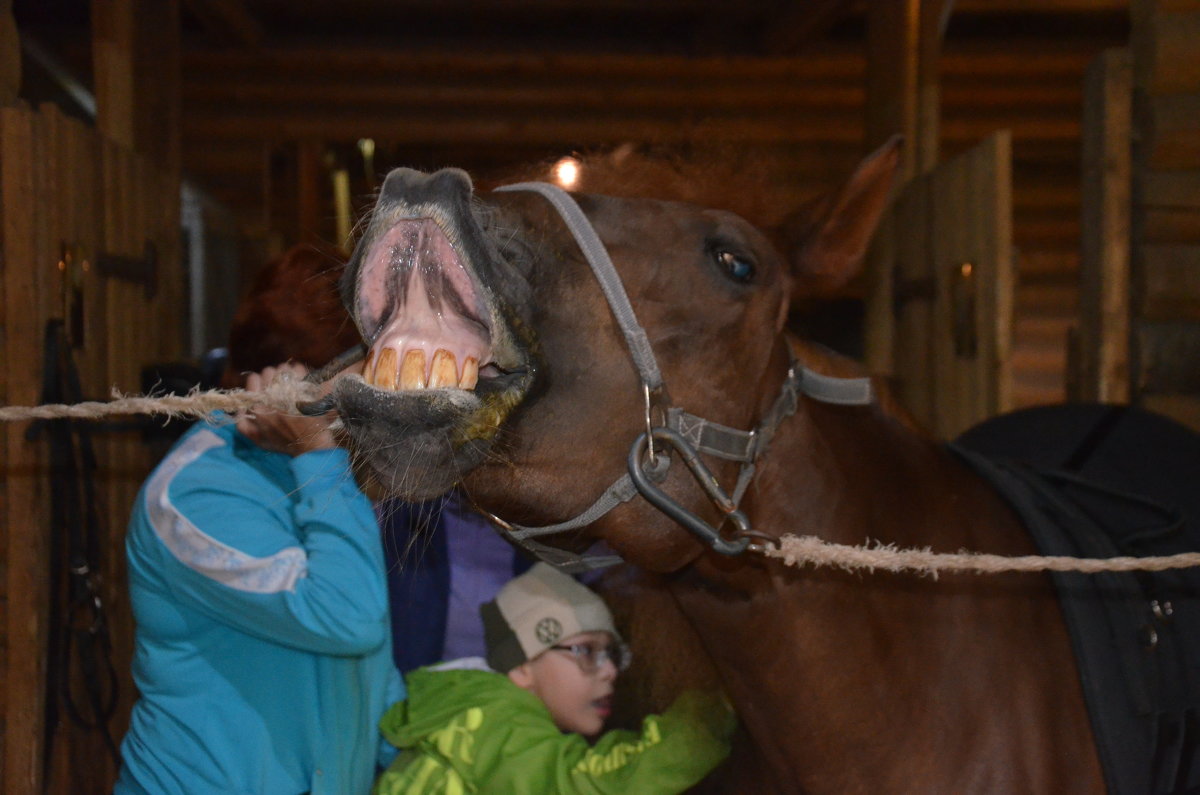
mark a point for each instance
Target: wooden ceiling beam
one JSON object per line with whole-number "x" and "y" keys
{"x": 264, "y": 91}
{"x": 228, "y": 21}
{"x": 1016, "y": 60}
{"x": 599, "y": 129}
{"x": 1040, "y": 7}
{"x": 217, "y": 97}
{"x": 802, "y": 23}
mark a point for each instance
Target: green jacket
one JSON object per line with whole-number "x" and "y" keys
{"x": 467, "y": 730}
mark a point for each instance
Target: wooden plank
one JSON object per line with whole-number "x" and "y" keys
{"x": 113, "y": 32}
{"x": 904, "y": 47}
{"x": 1181, "y": 408}
{"x": 1104, "y": 280}
{"x": 1010, "y": 59}
{"x": 24, "y": 234}
{"x": 10, "y": 55}
{"x": 974, "y": 278}
{"x": 136, "y": 67}
{"x": 798, "y": 25}
{"x": 1169, "y": 283}
{"x": 1178, "y": 189}
{"x": 1164, "y": 48}
{"x": 955, "y": 368}
{"x": 1169, "y": 129}
{"x": 207, "y": 95}
{"x": 229, "y": 21}
{"x": 60, "y": 205}
{"x": 912, "y": 297}
{"x": 309, "y": 203}
{"x": 1168, "y": 352}
{"x": 1170, "y": 225}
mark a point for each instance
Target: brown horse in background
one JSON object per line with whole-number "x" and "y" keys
{"x": 496, "y": 362}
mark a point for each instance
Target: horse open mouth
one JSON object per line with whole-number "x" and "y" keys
{"x": 444, "y": 367}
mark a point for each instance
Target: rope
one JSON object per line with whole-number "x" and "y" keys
{"x": 810, "y": 550}
{"x": 282, "y": 395}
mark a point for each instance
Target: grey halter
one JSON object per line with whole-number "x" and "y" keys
{"x": 686, "y": 432}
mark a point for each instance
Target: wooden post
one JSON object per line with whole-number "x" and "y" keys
{"x": 1104, "y": 283}
{"x": 136, "y": 60}
{"x": 1165, "y": 215}
{"x": 25, "y": 228}
{"x": 904, "y": 47}
{"x": 309, "y": 171}
{"x": 10, "y": 55}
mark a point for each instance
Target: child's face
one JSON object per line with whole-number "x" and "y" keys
{"x": 579, "y": 700}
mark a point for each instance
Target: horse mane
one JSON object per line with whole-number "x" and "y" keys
{"x": 741, "y": 181}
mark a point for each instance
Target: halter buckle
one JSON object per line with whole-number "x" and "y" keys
{"x": 656, "y": 397}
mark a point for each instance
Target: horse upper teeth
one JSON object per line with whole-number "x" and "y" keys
{"x": 412, "y": 372}
{"x": 444, "y": 371}
{"x": 385, "y": 369}
{"x": 470, "y": 373}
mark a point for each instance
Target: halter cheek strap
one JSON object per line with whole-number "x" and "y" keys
{"x": 688, "y": 433}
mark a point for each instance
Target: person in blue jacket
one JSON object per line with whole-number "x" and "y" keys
{"x": 256, "y": 573}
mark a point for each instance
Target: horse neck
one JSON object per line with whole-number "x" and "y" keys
{"x": 816, "y": 641}
{"x": 844, "y": 470}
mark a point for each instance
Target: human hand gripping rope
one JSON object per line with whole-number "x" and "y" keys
{"x": 284, "y": 394}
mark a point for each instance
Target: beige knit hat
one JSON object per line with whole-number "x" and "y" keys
{"x": 537, "y": 610}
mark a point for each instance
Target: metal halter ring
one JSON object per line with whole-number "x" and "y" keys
{"x": 708, "y": 483}
{"x": 755, "y": 546}
{"x": 650, "y": 451}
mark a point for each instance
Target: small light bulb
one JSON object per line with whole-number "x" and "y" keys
{"x": 566, "y": 172}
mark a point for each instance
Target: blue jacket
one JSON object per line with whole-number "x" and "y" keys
{"x": 262, "y": 654}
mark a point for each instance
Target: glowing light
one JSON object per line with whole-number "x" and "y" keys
{"x": 566, "y": 172}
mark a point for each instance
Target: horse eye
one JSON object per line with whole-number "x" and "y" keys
{"x": 737, "y": 267}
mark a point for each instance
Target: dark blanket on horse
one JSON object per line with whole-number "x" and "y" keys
{"x": 1100, "y": 481}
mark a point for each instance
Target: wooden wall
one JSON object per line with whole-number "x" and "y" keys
{"x": 1139, "y": 326}
{"x": 64, "y": 188}
{"x": 1165, "y": 218}
{"x": 249, "y": 115}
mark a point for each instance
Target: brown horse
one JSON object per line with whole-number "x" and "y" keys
{"x": 497, "y": 361}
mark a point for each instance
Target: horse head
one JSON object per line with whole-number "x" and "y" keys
{"x": 497, "y": 360}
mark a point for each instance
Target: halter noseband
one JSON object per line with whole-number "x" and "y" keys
{"x": 687, "y": 433}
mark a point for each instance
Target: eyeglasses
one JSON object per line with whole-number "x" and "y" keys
{"x": 590, "y": 657}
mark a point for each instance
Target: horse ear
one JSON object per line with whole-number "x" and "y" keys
{"x": 829, "y": 238}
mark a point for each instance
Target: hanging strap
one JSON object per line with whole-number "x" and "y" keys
{"x": 601, "y": 265}
{"x": 80, "y": 653}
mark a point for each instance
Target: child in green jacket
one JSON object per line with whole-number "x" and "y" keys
{"x": 517, "y": 722}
